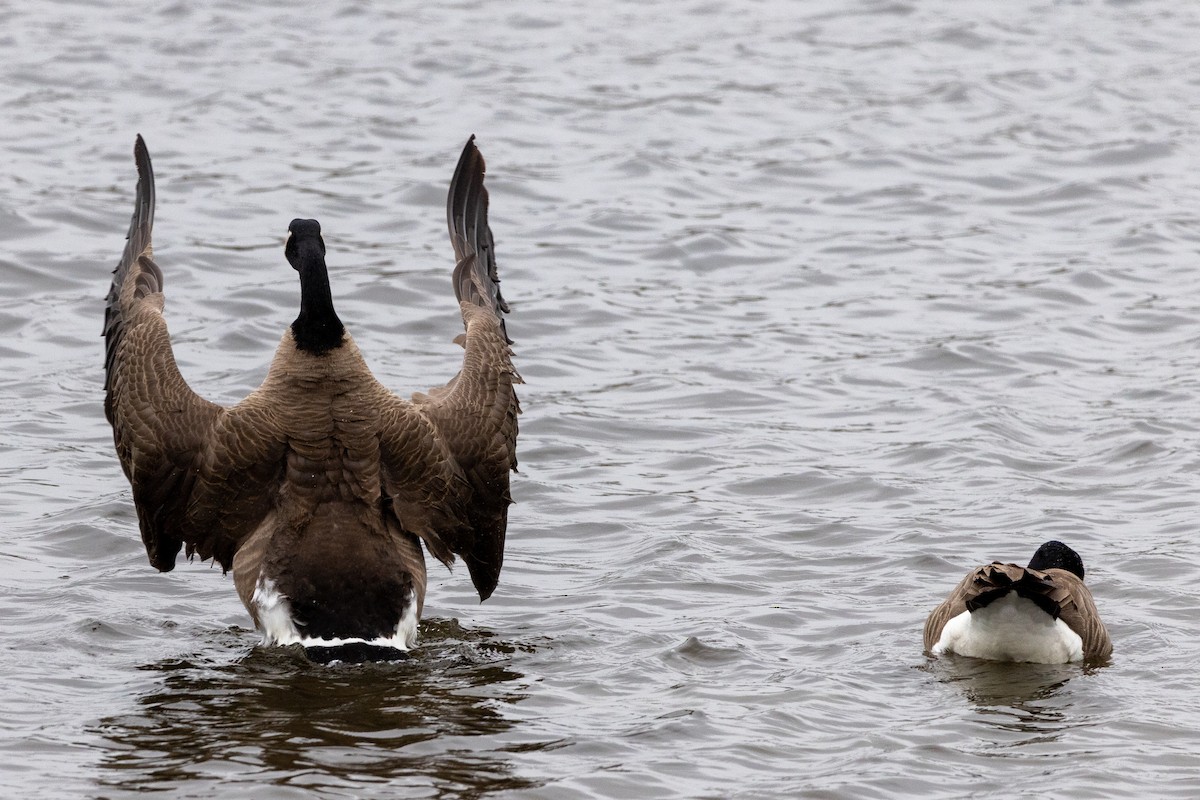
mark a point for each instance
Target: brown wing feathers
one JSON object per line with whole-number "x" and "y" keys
{"x": 160, "y": 426}
{"x": 1078, "y": 610}
{"x": 476, "y": 278}
{"x": 476, "y": 413}
{"x": 993, "y": 581}
{"x": 149, "y": 278}
{"x": 136, "y": 277}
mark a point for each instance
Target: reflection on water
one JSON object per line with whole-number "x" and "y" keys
{"x": 276, "y": 717}
{"x": 1016, "y": 697}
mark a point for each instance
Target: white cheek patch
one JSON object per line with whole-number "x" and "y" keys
{"x": 278, "y": 628}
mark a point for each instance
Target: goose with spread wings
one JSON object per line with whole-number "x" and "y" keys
{"x": 320, "y": 488}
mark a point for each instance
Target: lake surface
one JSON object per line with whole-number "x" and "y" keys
{"x": 818, "y": 305}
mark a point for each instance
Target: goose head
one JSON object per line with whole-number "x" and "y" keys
{"x": 1056, "y": 555}
{"x": 304, "y": 242}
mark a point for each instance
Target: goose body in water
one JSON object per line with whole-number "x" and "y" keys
{"x": 1042, "y": 613}
{"x": 319, "y": 489}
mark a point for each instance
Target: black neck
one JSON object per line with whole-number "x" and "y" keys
{"x": 317, "y": 329}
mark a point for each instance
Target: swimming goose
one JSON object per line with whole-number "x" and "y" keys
{"x": 1040, "y": 613}
{"x": 319, "y": 488}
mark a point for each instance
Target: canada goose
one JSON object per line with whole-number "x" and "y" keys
{"x": 318, "y": 489}
{"x": 1040, "y": 613}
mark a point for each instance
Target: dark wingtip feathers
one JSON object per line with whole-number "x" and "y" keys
{"x": 994, "y": 581}
{"x": 141, "y": 224}
{"x": 143, "y": 215}
{"x": 475, "y": 277}
{"x": 485, "y": 570}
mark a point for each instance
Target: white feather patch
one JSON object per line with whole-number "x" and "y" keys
{"x": 1010, "y": 629}
{"x": 274, "y": 614}
{"x": 278, "y": 627}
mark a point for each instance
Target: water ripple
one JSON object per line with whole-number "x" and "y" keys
{"x": 817, "y": 307}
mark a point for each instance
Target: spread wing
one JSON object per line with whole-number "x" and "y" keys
{"x": 199, "y": 472}
{"x": 474, "y": 417}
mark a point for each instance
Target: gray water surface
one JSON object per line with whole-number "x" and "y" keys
{"x": 818, "y": 305}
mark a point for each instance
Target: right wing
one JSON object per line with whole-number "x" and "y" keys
{"x": 1078, "y": 610}
{"x": 473, "y": 418}
{"x": 201, "y": 474}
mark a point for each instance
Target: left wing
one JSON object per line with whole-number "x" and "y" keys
{"x": 202, "y": 475}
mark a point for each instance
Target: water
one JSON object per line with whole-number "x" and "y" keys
{"x": 818, "y": 306}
